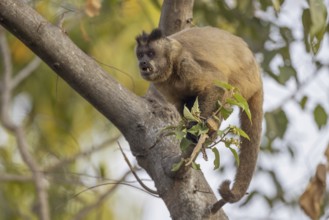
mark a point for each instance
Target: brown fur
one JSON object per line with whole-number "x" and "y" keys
{"x": 185, "y": 65}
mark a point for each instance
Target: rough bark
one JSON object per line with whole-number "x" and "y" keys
{"x": 176, "y": 15}
{"x": 141, "y": 120}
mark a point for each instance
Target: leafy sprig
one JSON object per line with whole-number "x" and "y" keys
{"x": 206, "y": 133}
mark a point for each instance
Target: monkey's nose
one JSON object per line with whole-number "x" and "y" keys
{"x": 144, "y": 66}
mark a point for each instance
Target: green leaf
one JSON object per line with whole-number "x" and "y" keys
{"x": 226, "y": 112}
{"x": 235, "y": 154}
{"x": 241, "y": 133}
{"x": 276, "y": 124}
{"x": 286, "y": 72}
{"x": 102, "y": 170}
{"x": 196, "y": 109}
{"x": 223, "y": 85}
{"x": 198, "y": 129}
{"x": 286, "y": 34}
{"x": 242, "y": 102}
{"x": 306, "y": 19}
{"x": 194, "y": 129}
{"x": 177, "y": 166}
{"x": 180, "y": 134}
{"x": 188, "y": 115}
{"x": 217, "y": 158}
{"x": 320, "y": 116}
{"x": 277, "y": 4}
{"x": 240, "y": 98}
{"x": 285, "y": 53}
{"x": 196, "y": 166}
{"x": 318, "y": 13}
{"x": 220, "y": 133}
{"x": 303, "y": 102}
{"x": 184, "y": 144}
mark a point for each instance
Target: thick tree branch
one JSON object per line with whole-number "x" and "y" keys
{"x": 141, "y": 120}
{"x": 176, "y": 15}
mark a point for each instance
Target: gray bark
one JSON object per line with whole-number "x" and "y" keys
{"x": 176, "y": 15}
{"x": 141, "y": 120}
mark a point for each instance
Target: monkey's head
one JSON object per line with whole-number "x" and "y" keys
{"x": 154, "y": 52}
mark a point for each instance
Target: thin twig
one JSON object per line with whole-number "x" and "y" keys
{"x": 135, "y": 175}
{"x": 38, "y": 177}
{"x": 117, "y": 69}
{"x": 118, "y": 182}
{"x": 4, "y": 177}
{"x": 25, "y": 72}
{"x": 221, "y": 139}
{"x": 7, "y": 72}
{"x": 83, "y": 212}
{"x": 73, "y": 158}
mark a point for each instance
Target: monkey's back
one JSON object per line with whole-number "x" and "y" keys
{"x": 226, "y": 52}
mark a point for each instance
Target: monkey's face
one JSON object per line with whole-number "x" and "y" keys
{"x": 153, "y": 60}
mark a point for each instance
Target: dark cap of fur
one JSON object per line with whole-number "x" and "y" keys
{"x": 145, "y": 38}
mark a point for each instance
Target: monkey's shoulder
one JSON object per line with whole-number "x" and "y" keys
{"x": 207, "y": 36}
{"x": 214, "y": 48}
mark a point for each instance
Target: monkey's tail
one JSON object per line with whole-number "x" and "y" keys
{"x": 248, "y": 154}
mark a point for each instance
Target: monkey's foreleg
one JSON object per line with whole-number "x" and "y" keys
{"x": 208, "y": 100}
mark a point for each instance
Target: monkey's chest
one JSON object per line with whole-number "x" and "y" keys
{"x": 178, "y": 90}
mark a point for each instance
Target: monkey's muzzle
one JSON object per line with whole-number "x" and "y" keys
{"x": 145, "y": 68}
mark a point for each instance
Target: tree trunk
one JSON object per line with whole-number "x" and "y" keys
{"x": 141, "y": 120}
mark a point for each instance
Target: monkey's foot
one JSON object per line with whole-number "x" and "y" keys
{"x": 213, "y": 126}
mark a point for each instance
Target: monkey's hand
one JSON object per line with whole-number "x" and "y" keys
{"x": 213, "y": 126}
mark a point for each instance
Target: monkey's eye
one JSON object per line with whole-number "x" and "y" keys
{"x": 151, "y": 54}
{"x": 140, "y": 54}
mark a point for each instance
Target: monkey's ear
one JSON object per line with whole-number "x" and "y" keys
{"x": 155, "y": 35}
{"x": 142, "y": 39}
{"x": 145, "y": 38}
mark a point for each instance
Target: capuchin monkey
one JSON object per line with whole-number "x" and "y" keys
{"x": 185, "y": 65}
